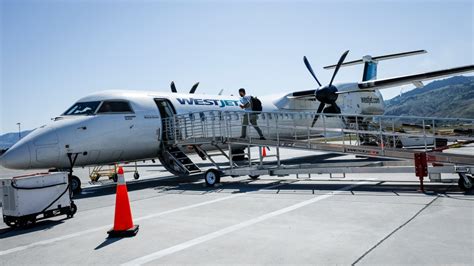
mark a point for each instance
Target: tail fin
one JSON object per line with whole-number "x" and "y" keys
{"x": 370, "y": 63}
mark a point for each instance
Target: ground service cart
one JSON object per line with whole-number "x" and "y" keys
{"x": 27, "y": 199}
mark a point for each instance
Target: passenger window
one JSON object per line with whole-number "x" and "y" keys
{"x": 115, "y": 107}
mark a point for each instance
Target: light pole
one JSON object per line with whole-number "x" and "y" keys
{"x": 19, "y": 130}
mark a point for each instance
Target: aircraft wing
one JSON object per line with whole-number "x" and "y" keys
{"x": 378, "y": 84}
{"x": 371, "y": 85}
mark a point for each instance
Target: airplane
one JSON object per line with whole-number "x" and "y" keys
{"x": 120, "y": 126}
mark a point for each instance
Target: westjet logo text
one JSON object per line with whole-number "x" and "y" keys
{"x": 220, "y": 103}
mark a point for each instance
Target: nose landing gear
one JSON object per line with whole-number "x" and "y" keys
{"x": 74, "y": 181}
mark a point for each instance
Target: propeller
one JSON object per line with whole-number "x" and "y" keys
{"x": 173, "y": 87}
{"x": 326, "y": 94}
{"x": 310, "y": 69}
{"x": 193, "y": 88}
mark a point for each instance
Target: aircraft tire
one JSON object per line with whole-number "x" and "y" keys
{"x": 136, "y": 175}
{"x": 75, "y": 184}
{"x": 72, "y": 211}
{"x": 212, "y": 177}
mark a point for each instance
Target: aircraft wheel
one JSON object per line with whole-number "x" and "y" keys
{"x": 465, "y": 186}
{"x": 212, "y": 177}
{"x": 32, "y": 220}
{"x": 254, "y": 177}
{"x": 72, "y": 210}
{"x": 75, "y": 184}
{"x": 136, "y": 175}
{"x": 115, "y": 177}
{"x": 9, "y": 221}
{"x": 21, "y": 222}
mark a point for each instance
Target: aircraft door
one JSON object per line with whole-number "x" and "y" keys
{"x": 167, "y": 111}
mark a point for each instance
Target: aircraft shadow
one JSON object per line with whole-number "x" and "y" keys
{"x": 315, "y": 187}
{"x": 194, "y": 183}
{"x": 172, "y": 181}
{"x": 319, "y": 158}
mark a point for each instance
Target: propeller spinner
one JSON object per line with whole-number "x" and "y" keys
{"x": 326, "y": 94}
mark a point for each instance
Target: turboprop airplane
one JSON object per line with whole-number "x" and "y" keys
{"x": 117, "y": 126}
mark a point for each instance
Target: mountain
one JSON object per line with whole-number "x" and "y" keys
{"x": 7, "y": 140}
{"x": 448, "y": 98}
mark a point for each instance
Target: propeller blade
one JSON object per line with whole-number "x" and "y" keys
{"x": 320, "y": 108}
{"x": 193, "y": 89}
{"x": 335, "y": 109}
{"x": 341, "y": 60}
{"x": 173, "y": 87}
{"x": 310, "y": 69}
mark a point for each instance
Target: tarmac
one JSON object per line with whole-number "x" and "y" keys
{"x": 363, "y": 219}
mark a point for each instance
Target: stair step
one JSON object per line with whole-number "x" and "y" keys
{"x": 195, "y": 171}
{"x": 215, "y": 154}
{"x": 183, "y": 159}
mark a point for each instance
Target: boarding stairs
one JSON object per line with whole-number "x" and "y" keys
{"x": 177, "y": 162}
{"x": 396, "y": 137}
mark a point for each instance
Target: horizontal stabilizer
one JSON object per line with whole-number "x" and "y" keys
{"x": 402, "y": 80}
{"x": 379, "y": 58}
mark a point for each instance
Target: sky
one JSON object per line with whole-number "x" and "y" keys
{"x": 55, "y": 52}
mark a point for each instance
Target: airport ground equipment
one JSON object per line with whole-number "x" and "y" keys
{"x": 362, "y": 135}
{"x": 27, "y": 199}
{"x": 99, "y": 171}
{"x": 109, "y": 171}
{"x": 175, "y": 160}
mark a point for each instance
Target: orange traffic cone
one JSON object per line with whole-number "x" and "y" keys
{"x": 123, "y": 224}
{"x": 264, "y": 152}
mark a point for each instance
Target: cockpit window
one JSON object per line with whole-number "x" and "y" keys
{"x": 84, "y": 108}
{"x": 115, "y": 107}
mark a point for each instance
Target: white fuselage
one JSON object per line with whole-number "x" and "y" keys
{"x": 103, "y": 138}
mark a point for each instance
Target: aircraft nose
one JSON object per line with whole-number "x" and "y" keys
{"x": 17, "y": 157}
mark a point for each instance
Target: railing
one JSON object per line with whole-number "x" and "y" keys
{"x": 343, "y": 129}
